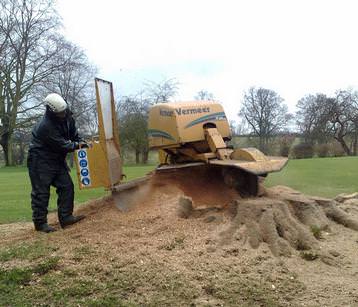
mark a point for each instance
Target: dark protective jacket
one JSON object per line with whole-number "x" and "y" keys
{"x": 52, "y": 139}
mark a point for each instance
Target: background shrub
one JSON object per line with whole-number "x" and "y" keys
{"x": 302, "y": 151}
{"x": 322, "y": 150}
{"x": 336, "y": 150}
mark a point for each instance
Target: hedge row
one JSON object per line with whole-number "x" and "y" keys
{"x": 304, "y": 150}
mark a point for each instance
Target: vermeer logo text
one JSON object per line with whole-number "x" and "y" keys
{"x": 181, "y": 111}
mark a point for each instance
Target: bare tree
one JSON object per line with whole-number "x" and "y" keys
{"x": 133, "y": 119}
{"x": 204, "y": 95}
{"x": 321, "y": 118}
{"x": 162, "y": 91}
{"x": 265, "y": 113}
{"x": 343, "y": 119}
{"x": 312, "y": 118}
{"x": 242, "y": 128}
{"x": 21, "y": 139}
{"x": 29, "y": 42}
{"x": 354, "y": 117}
{"x": 88, "y": 125}
{"x": 74, "y": 82}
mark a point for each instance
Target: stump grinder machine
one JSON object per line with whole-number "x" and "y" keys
{"x": 189, "y": 135}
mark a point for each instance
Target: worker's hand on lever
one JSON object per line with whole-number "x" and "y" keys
{"x": 82, "y": 144}
{"x": 89, "y": 144}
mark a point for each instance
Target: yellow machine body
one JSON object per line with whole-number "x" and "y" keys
{"x": 197, "y": 131}
{"x": 172, "y": 124}
{"x": 101, "y": 165}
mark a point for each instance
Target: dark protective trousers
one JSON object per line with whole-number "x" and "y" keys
{"x": 42, "y": 178}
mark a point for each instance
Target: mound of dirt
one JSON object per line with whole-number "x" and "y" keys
{"x": 286, "y": 221}
{"x": 222, "y": 249}
{"x": 283, "y": 218}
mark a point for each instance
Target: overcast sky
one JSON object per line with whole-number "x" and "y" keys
{"x": 293, "y": 47}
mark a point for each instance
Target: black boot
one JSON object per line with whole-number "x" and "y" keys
{"x": 44, "y": 228}
{"x": 70, "y": 220}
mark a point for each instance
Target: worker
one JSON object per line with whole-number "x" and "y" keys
{"x": 53, "y": 137}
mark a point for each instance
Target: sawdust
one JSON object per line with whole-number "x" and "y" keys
{"x": 204, "y": 185}
{"x": 203, "y": 233}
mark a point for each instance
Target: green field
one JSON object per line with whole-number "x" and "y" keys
{"x": 15, "y": 191}
{"x": 323, "y": 177}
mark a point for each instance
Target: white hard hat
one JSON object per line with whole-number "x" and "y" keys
{"x": 56, "y": 103}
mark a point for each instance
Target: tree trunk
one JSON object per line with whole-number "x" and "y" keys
{"x": 4, "y": 148}
{"x": 355, "y": 142}
{"x": 7, "y": 147}
{"x": 137, "y": 155}
{"x": 261, "y": 143}
{"x": 21, "y": 153}
{"x": 145, "y": 156}
{"x": 344, "y": 145}
{"x": 266, "y": 146}
{"x": 10, "y": 157}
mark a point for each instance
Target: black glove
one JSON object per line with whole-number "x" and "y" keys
{"x": 84, "y": 144}
{"x": 81, "y": 144}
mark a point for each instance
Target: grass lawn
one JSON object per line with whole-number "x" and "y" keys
{"x": 15, "y": 189}
{"x": 325, "y": 177}
{"x": 322, "y": 177}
